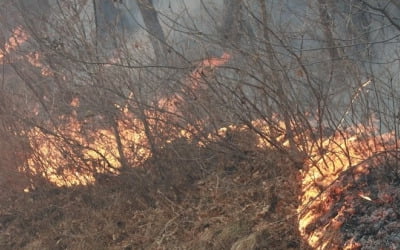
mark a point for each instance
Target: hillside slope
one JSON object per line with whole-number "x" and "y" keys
{"x": 190, "y": 197}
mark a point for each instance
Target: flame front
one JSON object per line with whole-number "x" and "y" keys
{"x": 336, "y": 154}
{"x": 69, "y": 155}
{"x": 72, "y": 155}
{"x": 97, "y": 151}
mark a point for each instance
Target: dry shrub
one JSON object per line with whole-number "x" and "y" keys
{"x": 14, "y": 150}
{"x": 189, "y": 196}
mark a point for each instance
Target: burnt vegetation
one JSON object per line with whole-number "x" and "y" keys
{"x": 240, "y": 124}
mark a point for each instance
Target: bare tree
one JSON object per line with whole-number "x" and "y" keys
{"x": 151, "y": 20}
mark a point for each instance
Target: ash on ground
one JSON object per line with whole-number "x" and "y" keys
{"x": 364, "y": 210}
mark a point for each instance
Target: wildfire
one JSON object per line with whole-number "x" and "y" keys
{"x": 193, "y": 83}
{"x": 34, "y": 60}
{"x": 18, "y": 37}
{"x": 334, "y": 156}
{"x": 68, "y": 154}
{"x": 72, "y": 155}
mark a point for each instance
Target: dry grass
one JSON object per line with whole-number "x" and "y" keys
{"x": 189, "y": 197}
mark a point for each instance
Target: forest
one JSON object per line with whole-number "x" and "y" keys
{"x": 199, "y": 124}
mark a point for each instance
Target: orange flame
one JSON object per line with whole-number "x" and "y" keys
{"x": 171, "y": 104}
{"x": 335, "y": 155}
{"x": 18, "y": 37}
{"x": 98, "y": 150}
{"x": 34, "y": 60}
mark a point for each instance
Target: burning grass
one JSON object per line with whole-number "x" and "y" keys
{"x": 343, "y": 163}
{"x": 179, "y": 182}
{"x": 70, "y": 156}
{"x": 218, "y": 190}
{"x": 190, "y": 196}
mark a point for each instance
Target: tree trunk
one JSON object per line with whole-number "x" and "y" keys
{"x": 231, "y": 22}
{"x": 154, "y": 28}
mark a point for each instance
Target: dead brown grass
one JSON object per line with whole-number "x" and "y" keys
{"x": 189, "y": 197}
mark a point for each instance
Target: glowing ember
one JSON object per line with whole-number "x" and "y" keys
{"x": 18, "y": 37}
{"x": 75, "y": 102}
{"x": 34, "y": 60}
{"x": 334, "y": 156}
{"x": 365, "y": 197}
